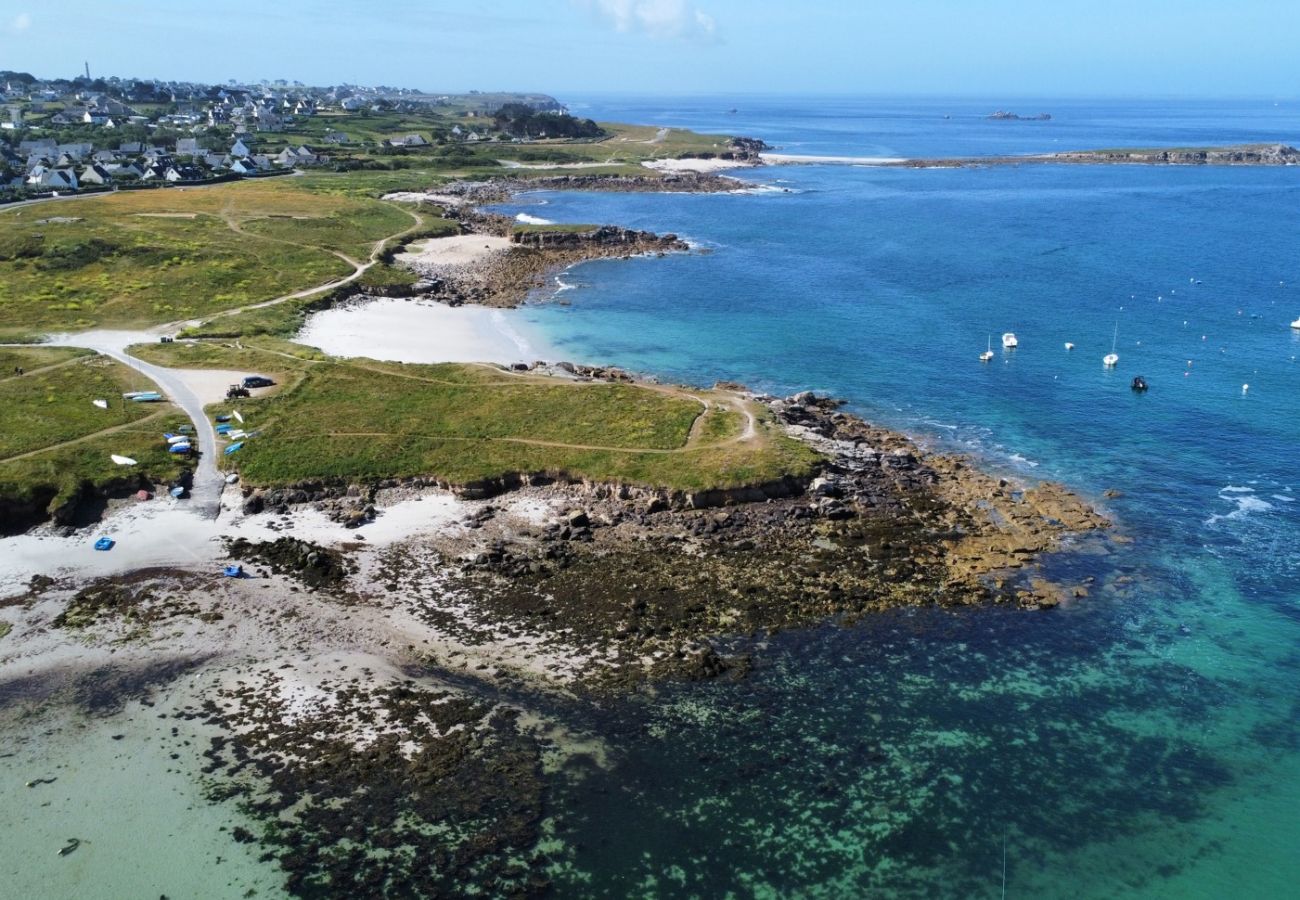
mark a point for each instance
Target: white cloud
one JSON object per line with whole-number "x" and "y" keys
{"x": 657, "y": 18}
{"x": 21, "y": 22}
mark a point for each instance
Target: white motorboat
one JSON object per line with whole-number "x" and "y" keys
{"x": 1069, "y": 345}
{"x": 1296, "y": 324}
{"x": 1009, "y": 341}
{"x": 1111, "y": 359}
{"x": 987, "y": 354}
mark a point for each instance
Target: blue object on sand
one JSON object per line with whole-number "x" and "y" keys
{"x": 234, "y": 447}
{"x": 178, "y": 492}
{"x": 234, "y": 571}
{"x": 104, "y": 543}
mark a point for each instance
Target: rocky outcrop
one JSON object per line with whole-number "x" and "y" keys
{"x": 505, "y": 279}
{"x": 1260, "y": 155}
{"x": 1250, "y": 155}
{"x": 598, "y": 240}
{"x": 502, "y": 188}
{"x": 1003, "y": 116}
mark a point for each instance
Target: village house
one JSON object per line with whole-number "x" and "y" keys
{"x": 95, "y": 174}
{"x": 58, "y": 179}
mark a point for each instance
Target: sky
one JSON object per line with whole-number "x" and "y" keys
{"x": 986, "y": 48}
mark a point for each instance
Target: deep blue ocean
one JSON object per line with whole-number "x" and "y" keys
{"x": 1144, "y": 741}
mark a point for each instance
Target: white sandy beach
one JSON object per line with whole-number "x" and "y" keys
{"x": 424, "y": 197}
{"x": 513, "y": 164}
{"x": 792, "y": 159}
{"x": 702, "y": 166}
{"x": 166, "y": 532}
{"x": 416, "y": 331}
{"x": 457, "y": 250}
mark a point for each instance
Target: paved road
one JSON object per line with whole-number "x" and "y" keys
{"x": 205, "y": 494}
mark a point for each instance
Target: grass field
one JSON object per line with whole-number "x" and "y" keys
{"x": 364, "y": 420}
{"x": 553, "y": 228}
{"x": 136, "y": 258}
{"x": 53, "y": 438}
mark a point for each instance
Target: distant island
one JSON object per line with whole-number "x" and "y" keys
{"x": 1004, "y": 116}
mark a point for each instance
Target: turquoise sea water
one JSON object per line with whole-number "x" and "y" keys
{"x": 1143, "y": 742}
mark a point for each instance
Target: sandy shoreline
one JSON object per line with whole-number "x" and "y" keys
{"x": 457, "y": 251}
{"x": 424, "y": 331}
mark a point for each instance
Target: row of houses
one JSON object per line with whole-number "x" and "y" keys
{"x": 45, "y": 165}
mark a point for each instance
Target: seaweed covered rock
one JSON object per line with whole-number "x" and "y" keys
{"x": 312, "y": 564}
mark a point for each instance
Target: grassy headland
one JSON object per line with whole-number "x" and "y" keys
{"x": 360, "y": 420}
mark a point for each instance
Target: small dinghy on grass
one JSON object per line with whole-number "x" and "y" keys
{"x": 105, "y": 543}
{"x": 223, "y": 429}
{"x": 221, "y": 419}
{"x": 177, "y": 438}
{"x": 148, "y": 397}
{"x": 184, "y": 447}
{"x": 122, "y": 460}
{"x": 102, "y": 404}
{"x": 239, "y": 418}
{"x": 234, "y": 448}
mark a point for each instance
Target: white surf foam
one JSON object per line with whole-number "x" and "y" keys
{"x": 1245, "y": 502}
{"x": 525, "y": 219}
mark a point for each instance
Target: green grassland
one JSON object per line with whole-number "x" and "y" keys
{"x": 53, "y": 404}
{"x": 35, "y": 357}
{"x": 54, "y": 440}
{"x": 360, "y": 420}
{"x": 554, "y": 229}
{"x": 136, "y": 258}
{"x": 57, "y": 475}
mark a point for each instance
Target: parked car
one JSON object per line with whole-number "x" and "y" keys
{"x": 257, "y": 381}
